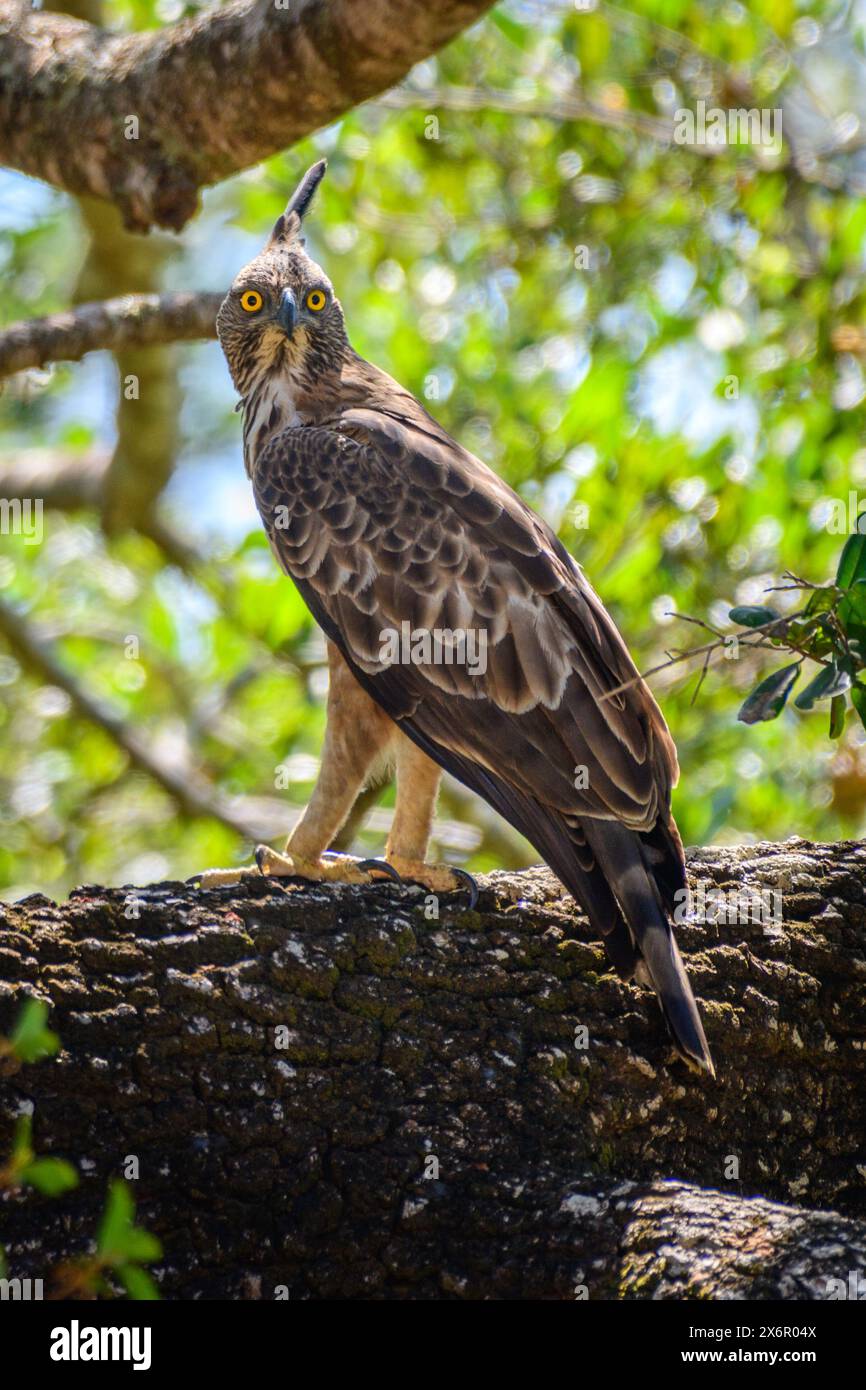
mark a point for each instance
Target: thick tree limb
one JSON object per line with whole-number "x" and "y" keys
{"x": 210, "y": 95}
{"x": 425, "y": 1125}
{"x": 149, "y": 396}
{"x": 133, "y": 320}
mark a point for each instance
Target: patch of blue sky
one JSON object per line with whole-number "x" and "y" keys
{"x": 24, "y": 201}
{"x": 673, "y": 283}
{"x": 676, "y": 393}
{"x": 210, "y": 495}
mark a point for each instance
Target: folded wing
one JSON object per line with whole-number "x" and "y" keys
{"x": 392, "y": 531}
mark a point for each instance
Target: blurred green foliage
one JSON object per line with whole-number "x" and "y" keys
{"x": 31, "y": 1039}
{"x": 122, "y": 1248}
{"x": 50, "y": 1176}
{"x": 656, "y": 345}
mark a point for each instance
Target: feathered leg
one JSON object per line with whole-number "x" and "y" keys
{"x": 358, "y": 739}
{"x": 418, "y": 779}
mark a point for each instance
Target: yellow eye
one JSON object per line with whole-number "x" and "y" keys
{"x": 315, "y": 300}
{"x": 252, "y": 301}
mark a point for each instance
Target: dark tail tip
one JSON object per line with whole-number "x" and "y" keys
{"x": 667, "y": 975}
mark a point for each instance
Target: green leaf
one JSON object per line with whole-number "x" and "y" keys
{"x": 22, "y": 1144}
{"x": 828, "y": 682}
{"x": 821, "y": 600}
{"x": 749, "y": 616}
{"x": 30, "y": 1039}
{"x": 809, "y": 635}
{"x": 50, "y": 1176}
{"x": 837, "y": 716}
{"x": 767, "y": 700}
{"x": 119, "y": 1240}
{"x": 858, "y": 700}
{"x": 517, "y": 33}
{"x": 852, "y": 561}
{"x": 142, "y": 1246}
{"x": 116, "y": 1221}
{"x": 138, "y": 1283}
{"x": 852, "y": 611}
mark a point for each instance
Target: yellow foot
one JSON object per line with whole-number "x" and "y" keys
{"x": 331, "y": 868}
{"x": 439, "y": 878}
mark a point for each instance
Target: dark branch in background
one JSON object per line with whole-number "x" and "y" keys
{"x": 211, "y": 95}
{"x": 254, "y": 818}
{"x": 67, "y": 481}
{"x": 133, "y": 320}
{"x": 60, "y": 478}
{"x": 149, "y": 394}
{"x": 573, "y": 107}
{"x": 193, "y": 793}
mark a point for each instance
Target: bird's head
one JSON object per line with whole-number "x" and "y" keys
{"x": 281, "y": 313}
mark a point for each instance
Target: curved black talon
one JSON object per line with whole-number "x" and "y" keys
{"x": 472, "y": 885}
{"x": 259, "y": 857}
{"x": 383, "y": 866}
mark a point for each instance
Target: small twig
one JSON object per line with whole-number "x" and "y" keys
{"x": 702, "y": 677}
{"x": 796, "y": 583}
{"x": 753, "y": 643}
{"x": 698, "y": 622}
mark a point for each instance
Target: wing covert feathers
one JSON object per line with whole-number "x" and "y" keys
{"x": 389, "y": 528}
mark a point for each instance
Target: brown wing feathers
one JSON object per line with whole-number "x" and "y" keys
{"x": 387, "y": 521}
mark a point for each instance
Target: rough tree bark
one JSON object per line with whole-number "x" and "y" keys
{"x": 209, "y": 95}
{"x": 425, "y": 1125}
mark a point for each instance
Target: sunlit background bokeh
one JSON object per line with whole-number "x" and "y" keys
{"x": 660, "y": 346}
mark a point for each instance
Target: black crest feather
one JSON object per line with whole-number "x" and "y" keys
{"x": 288, "y": 224}
{"x": 305, "y": 191}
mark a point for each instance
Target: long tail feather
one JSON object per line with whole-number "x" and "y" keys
{"x": 618, "y": 853}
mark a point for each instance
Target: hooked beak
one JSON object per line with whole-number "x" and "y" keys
{"x": 287, "y": 313}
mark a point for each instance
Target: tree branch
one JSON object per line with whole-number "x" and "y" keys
{"x": 192, "y": 793}
{"x": 209, "y": 95}
{"x": 254, "y": 818}
{"x": 573, "y": 107}
{"x": 59, "y": 478}
{"x": 147, "y": 417}
{"x": 133, "y": 320}
{"x": 329, "y": 1091}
